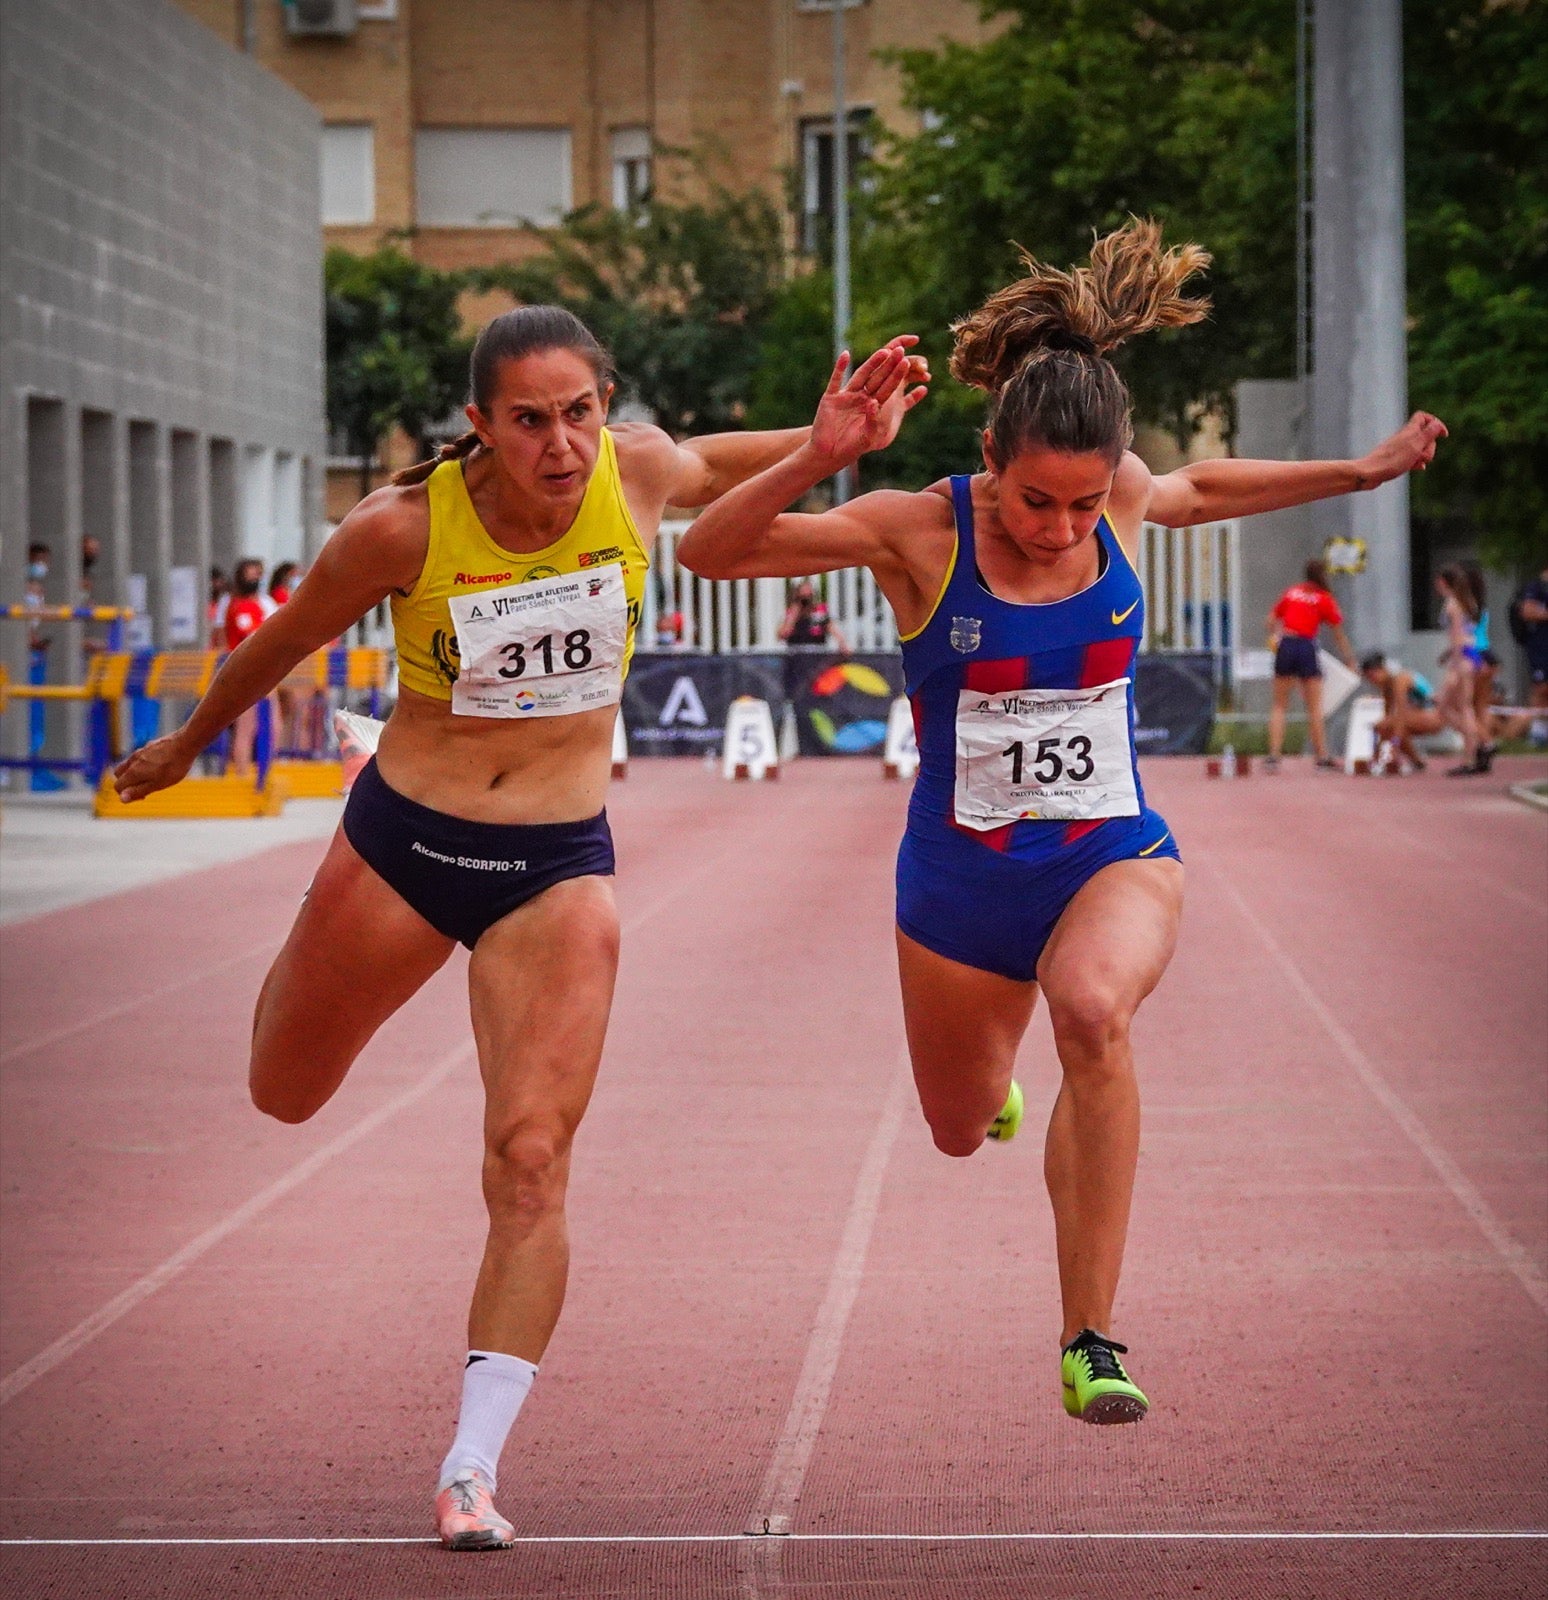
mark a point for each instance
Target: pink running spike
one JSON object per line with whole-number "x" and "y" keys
{"x": 466, "y": 1518}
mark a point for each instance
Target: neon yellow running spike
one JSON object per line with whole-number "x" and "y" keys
{"x": 1096, "y": 1388}
{"x": 1005, "y": 1125}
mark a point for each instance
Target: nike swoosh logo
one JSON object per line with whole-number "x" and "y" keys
{"x": 1150, "y": 850}
{"x": 1118, "y": 616}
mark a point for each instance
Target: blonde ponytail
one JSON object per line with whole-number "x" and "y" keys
{"x": 1039, "y": 346}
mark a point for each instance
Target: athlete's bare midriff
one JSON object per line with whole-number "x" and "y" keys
{"x": 495, "y": 769}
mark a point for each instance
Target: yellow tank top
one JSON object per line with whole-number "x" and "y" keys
{"x": 463, "y": 559}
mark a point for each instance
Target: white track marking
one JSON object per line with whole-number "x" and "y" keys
{"x": 143, "y": 1288}
{"x": 268, "y": 947}
{"x": 1136, "y": 1537}
{"x": 1522, "y": 1266}
{"x": 123, "y": 1303}
{"x": 793, "y": 1451}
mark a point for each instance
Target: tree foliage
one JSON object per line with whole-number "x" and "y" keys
{"x": 396, "y": 353}
{"x": 1477, "y": 127}
{"x": 678, "y": 289}
{"x": 1077, "y": 114}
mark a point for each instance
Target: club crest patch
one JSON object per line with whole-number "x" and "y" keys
{"x": 966, "y": 634}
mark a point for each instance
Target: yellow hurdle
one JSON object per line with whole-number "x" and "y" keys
{"x": 309, "y": 780}
{"x": 228, "y": 796}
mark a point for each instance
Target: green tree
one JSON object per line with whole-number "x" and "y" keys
{"x": 677, "y": 288}
{"x": 1477, "y": 125}
{"x": 396, "y": 353}
{"x": 1077, "y": 114}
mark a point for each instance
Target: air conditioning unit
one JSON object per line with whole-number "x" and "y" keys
{"x": 320, "y": 18}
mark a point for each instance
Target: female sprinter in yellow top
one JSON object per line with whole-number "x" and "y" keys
{"x": 1031, "y": 860}
{"x": 515, "y": 568}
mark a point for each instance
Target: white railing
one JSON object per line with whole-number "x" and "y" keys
{"x": 1193, "y": 587}
{"x": 1192, "y": 579}
{"x": 727, "y": 615}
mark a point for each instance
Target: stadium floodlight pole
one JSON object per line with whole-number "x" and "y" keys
{"x": 843, "y": 483}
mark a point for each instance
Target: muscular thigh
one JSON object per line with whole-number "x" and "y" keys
{"x": 541, "y": 987}
{"x": 1115, "y": 938}
{"x": 964, "y": 1026}
{"x": 356, "y": 952}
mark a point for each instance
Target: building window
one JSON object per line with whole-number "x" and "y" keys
{"x": 376, "y": 11}
{"x": 826, "y": 5}
{"x": 348, "y": 173}
{"x": 817, "y": 173}
{"x": 631, "y": 167}
{"x": 491, "y": 177}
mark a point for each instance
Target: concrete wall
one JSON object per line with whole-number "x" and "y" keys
{"x": 161, "y": 365}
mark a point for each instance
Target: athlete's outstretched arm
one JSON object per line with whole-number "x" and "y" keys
{"x": 743, "y": 534}
{"x": 695, "y": 472}
{"x": 1208, "y": 491}
{"x": 372, "y": 552}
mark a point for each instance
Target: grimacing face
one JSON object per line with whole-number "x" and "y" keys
{"x": 544, "y": 423}
{"x": 1050, "y": 502}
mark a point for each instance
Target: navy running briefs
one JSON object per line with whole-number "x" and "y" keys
{"x": 462, "y": 877}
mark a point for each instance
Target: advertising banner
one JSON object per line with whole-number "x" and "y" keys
{"x": 675, "y": 703}
{"x": 1174, "y": 703}
{"x": 842, "y": 702}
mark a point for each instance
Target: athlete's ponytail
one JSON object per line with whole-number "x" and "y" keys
{"x": 1039, "y": 347}
{"x": 528, "y": 330}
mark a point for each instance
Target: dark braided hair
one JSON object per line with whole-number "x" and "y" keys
{"x": 526, "y": 331}
{"x": 1039, "y": 347}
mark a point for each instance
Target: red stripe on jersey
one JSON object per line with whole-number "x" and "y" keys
{"x": 1079, "y": 830}
{"x": 1104, "y": 661}
{"x": 996, "y": 677}
{"x": 918, "y": 714}
{"x": 993, "y": 839}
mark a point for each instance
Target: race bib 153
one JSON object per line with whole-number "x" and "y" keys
{"x": 1057, "y": 755}
{"x": 544, "y": 649}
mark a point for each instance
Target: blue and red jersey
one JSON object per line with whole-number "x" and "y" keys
{"x": 976, "y": 642}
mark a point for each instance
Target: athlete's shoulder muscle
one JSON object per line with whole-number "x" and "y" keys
{"x": 1129, "y": 500}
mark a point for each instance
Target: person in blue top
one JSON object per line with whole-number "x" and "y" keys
{"x": 1031, "y": 860}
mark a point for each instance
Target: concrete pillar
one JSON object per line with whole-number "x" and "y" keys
{"x": 1359, "y": 384}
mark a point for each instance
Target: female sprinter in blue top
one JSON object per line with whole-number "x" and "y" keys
{"x": 514, "y": 567}
{"x": 1031, "y": 860}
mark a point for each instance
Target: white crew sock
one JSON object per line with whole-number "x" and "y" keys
{"x": 493, "y": 1388}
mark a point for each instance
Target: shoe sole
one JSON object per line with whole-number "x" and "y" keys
{"x": 484, "y": 1539}
{"x": 1107, "y": 1410}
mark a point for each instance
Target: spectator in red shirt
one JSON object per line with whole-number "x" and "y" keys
{"x": 245, "y": 610}
{"x": 1293, "y": 625}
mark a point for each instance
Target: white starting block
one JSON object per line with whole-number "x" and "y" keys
{"x": 1360, "y": 735}
{"x": 751, "y": 749}
{"x": 620, "y": 747}
{"x": 1338, "y": 682}
{"x": 900, "y": 753}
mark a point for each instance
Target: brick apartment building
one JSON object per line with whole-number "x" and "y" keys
{"x": 460, "y": 119}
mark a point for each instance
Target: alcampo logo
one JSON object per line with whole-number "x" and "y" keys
{"x": 482, "y": 577}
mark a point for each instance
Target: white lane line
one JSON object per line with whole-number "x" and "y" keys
{"x": 269, "y": 946}
{"x": 1137, "y": 1537}
{"x": 1526, "y": 1271}
{"x": 123, "y": 1303}
{"x": 793, "y": 1451}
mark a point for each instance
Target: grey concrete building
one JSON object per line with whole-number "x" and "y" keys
{"x": 161, "y": 364}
